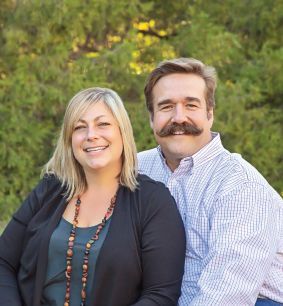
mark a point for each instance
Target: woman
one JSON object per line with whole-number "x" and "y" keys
{"x": 57, "y": 251}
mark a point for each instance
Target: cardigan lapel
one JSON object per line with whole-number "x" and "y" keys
{"x": 43, "y": 250}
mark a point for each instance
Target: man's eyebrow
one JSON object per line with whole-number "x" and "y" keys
{"x": 187, "y": 99}
{"x": 193, "y": 99}
{"x": 166, "y": 101}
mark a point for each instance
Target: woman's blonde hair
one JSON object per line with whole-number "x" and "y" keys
{"x": 63, "y": 163}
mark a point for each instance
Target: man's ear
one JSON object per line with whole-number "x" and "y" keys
{"x": 210, "y": 115}
{"x": 151, "y": 120}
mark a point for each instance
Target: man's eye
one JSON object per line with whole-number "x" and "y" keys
{"x": 190, "y": 105}
{"x": 166, "y": 107}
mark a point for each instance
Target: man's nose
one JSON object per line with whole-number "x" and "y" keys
{"x": 179, "y": 115}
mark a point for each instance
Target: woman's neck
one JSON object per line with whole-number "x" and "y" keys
{"x": 103, "y": 179}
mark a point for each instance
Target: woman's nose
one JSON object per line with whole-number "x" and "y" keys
{"x": 91, "y": 134}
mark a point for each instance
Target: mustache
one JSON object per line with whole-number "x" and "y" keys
{"x": 185, "y": 127}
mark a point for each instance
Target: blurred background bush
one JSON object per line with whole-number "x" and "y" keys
{"x": 49, "y": 50}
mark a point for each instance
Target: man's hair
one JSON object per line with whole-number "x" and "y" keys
{"x": 63, "y": 163}
{"x": 186, "y": 66}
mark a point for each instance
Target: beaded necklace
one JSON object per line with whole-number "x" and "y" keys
{"x": 88, "y": 245}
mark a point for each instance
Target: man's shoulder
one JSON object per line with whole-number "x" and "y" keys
{"x": 147, "y": 154}
{"x": 151, "y": 163}
{"x": 148, "y": 158}
{"x": 234, "y": 172}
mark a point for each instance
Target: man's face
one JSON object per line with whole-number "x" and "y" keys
{"x": 181, "y": 122}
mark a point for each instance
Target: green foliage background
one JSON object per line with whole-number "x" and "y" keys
{"x": 49, "y": 50}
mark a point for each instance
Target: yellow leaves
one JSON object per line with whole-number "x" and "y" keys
{"x": 143, "y": 26}
{"x": 33, "y": 55}
{"x": 92, "y": 54}
{"x": 135, "y": 67}
{"x": 168, "y": 53}
{"x": 229, "y": 83}
{"x": 152, "y": 23}
{"x": 149, "y": 26}
{"x": 113, "y": 38}
{"x": 70, "y": 64}
{"x": 77, "y": 41}
{"x": 162, "y": 33}
{"x": 148, "y": 37}
{"x": 136, "y": 54}
{"x": 145, "y": 41}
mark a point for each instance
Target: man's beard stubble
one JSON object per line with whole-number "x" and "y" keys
{"x": 186, "y": 128}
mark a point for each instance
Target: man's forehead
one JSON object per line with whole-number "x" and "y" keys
{"x": 177, "y": 88}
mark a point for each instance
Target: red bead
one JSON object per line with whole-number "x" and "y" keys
{"x": 70, "y": 252}
{"x": 83, "y": 294}
{"x": 71, "y": 243}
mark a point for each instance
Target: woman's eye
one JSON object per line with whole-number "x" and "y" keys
{"x": 103, "y": 123}
{"x": 78, "y": 127}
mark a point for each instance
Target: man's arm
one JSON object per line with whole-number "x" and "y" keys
{"x": 242, "y": 244}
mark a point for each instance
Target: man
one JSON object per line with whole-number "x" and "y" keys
{"x": 232, "y": 216}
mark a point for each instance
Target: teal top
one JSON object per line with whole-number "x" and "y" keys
{"x": 55, "y": 281}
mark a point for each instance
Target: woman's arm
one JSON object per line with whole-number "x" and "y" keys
{"x": 11, "y": 245}
{"x": 162, "y": 247}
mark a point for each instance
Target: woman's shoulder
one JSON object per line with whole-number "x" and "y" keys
{"x": 150, "y": 188}
{"x": 49, "y": 182}
{"x": 49, "y": 185}
{"x": 155, "y": 201}
{"x": 147, "y": 182}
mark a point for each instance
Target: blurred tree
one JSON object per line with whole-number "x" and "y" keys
{"x": 52, "y": 49}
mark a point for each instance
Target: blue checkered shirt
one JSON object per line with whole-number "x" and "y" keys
{"x": 234, "y": 226}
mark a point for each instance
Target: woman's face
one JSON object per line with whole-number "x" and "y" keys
{"x": 97, "y": 142}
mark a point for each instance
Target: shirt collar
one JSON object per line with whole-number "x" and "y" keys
{"x": 205, "y": 154}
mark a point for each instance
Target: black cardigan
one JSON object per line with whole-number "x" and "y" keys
{"x": 140, "y": 263}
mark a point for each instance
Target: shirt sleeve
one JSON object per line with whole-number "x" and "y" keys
{"x": 11, "y": 245}
{"x": 162, "y": 251}
{"x": 242, "y": 243}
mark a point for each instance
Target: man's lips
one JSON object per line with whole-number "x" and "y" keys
{"x": 95, "y": 149}
{"x": 178, "y": 133}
